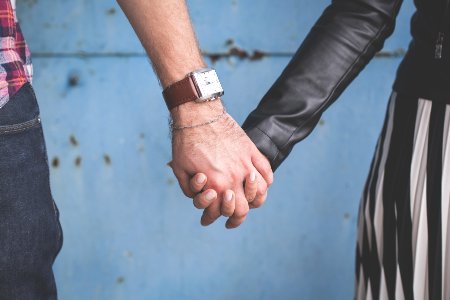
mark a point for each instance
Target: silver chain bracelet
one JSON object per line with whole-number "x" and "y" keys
{"x": 173, "y": 127}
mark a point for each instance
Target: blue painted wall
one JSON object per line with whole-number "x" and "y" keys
{"x": 129, "y": 231}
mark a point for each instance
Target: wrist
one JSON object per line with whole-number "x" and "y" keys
{"x": 196, "y": 112}
{"x": 170, "y": 75}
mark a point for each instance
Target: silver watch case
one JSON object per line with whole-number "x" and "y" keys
{"x": 207, "y": 84}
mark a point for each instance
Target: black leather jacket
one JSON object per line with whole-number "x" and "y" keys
{"x": 344, "y": 39}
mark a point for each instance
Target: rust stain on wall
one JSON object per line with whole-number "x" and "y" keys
{"x": 120, "y": 280}
{"x": 107, "y": 159}
{"x": 73, "y": 140}
{"x": 73, "y": 80}
{"x": 239, "y": 53}
{"x": 78, "y": 161}
{"x": 55, "y": 162}
{"x": 111, "y": 11}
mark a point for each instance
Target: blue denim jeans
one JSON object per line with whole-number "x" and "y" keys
{"x": 30, "y": 232}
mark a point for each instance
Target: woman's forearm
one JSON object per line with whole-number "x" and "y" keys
{"x": 341, "y": 43}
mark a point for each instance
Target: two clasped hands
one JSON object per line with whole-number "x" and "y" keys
{"x": 217, "y": 164}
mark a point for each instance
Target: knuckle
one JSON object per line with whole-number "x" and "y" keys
{"x": 226, "y": 213}
{"x": 264, "y": 164}
{"x": 239, "y": 214}
{"x": 235, "y": 176}
{"x": 246, "y": 210}
{"x": 267, "y": 169}
{"x": 261, "y": 192}
{"x": 262, "y": 201}
{"x": 262, "y": 185}
{"x": 250, "y": 197}
{"x": 258, "y": 203}
{"x": 220, "y": 184}
{"x": 242, "y": 213}
{"x": 220, "y": 188}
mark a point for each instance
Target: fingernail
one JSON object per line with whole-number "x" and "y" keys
{"x": 252, "y": 176}
{"x": 201, "y": 178}
{"x": 210, "y": 195}
{"x": 228, "y": 195}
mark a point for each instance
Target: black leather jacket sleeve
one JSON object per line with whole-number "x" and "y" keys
{"x": 343, "y": 40}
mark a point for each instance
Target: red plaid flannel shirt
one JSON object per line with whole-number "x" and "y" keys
{"x": 15, "y": 60}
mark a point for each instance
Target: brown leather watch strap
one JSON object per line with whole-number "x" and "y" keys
{"x": 180, "y": 92}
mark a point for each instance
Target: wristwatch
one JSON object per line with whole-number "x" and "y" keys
{"x": 200, "y": 85}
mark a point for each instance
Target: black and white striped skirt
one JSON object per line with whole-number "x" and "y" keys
{"x": 403, "y": 248}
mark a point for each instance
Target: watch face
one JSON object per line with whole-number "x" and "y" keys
{"x": 208, "y": 84}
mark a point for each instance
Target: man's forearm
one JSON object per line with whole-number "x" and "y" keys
{"x": 166, "y": 32}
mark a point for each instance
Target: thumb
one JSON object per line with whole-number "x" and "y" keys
{"x": 262, "y": 164}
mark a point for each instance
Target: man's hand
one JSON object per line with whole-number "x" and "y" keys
{"x": 223, "y": 152}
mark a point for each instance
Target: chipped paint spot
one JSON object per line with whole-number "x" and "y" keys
{"x": 120, "y": 280}
{"x": 111, "y": 11}
{"x": 73, "y": 80}
{"x": 257, "y": 55}
{"x": 322, "y": 122}
{"x": 73, "y": 140}
{"x": 55, "y": 162}
{"x": 107, "y": 159}
{"x": 346, "y": 216}
{"x": 229, "y": 42}
{"x": 78, "y": 161}
{"x": 214, "y": 58}
{"x": 239, "y": 53}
